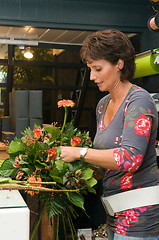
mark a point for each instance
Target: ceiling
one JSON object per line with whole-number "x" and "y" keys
{"x": 34, "y": 36}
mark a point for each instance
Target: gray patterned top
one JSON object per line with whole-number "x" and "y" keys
{"x": 132, "y": 134}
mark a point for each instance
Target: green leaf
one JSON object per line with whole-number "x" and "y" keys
{"x": 16, "y": 146}
{"x": 39, "y": 164}
{"x": 58, "y": 153}
{"x": 54, "y": 172}
{"x": 59, "y": 164}
{"x": 37, "y": 125}
{"x": 91, "y": 190}
{"x": 77, "y": 199}
{"x": 70, "y": 166}
{"x": 28, "y": 171}
{"x": 57, "y": 179}
{"x": 91, "y": 182}
{"x": 55, "y": 132}
{"x": 7, "y": 168}
{"x": 29, "y": 132}
{"x": 87, "y": 173}
{"x": 23, "y": 162}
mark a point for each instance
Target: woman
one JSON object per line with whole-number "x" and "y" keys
{"x": 124, "y": 144}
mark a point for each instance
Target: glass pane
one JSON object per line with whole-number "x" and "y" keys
{"x": 3, "y": 51}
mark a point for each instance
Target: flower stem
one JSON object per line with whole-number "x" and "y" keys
{"x": 37, "y": 225}
{"x": 28, "y": 182}
{"x": 64, "y": 123}
{"x": 9, "y": 186}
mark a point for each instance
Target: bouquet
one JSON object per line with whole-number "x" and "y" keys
{"x": 34, "y": 165}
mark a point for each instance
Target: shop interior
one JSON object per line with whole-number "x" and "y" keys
{"x": 54, "y": 69}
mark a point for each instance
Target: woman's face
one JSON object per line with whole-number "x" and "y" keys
{"x": 104, "y": 74}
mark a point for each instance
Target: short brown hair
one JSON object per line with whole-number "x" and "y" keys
{"x": 110, "y": 45}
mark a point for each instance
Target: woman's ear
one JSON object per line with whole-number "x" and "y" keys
{"x": 120, "y": 64}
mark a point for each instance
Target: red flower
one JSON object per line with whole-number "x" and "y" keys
{"x": 75, "y": 141}
{"x": 118, "y": 157}
{"x": 37, "y": 133}
{"x": 34, "y": 179}
{"x": 143, "y": 126}
{"x": 65, "y": 103}
{"x": 52, "y": 153}
{"x": 126, "y": 181}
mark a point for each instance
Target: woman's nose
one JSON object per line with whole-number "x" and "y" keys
{"x": 92, "y": 75}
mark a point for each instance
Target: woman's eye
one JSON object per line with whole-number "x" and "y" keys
{"x": 98, "y": 69}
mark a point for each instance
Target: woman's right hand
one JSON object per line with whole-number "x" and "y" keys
{"x": 70, "y": 154}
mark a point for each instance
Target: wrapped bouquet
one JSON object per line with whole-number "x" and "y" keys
{"x": 34, "y": 165}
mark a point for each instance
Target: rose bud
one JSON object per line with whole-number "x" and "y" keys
{"x": 75, "y": 141}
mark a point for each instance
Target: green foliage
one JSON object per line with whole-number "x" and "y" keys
{"x": 37, "y": 154}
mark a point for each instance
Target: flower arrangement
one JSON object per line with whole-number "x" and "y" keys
{"x": 34, "y": 165}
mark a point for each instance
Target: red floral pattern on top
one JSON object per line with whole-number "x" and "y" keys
{"x": 101, "y": 125}
{"x": 118, "y": 157}
{"x": 128, "y": 218}
{"x": 126, "y": 108}
{"x": 126, "y": 181}
{"x": 132, "y": 167}
{"x": 129, "y": 137}
{"x": 131, "y": 217}
{"x": 143, "y": 126}
{"x": 119, "y": 228}
{"x": 126, "y": 153}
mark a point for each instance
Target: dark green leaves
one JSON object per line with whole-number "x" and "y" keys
{"x": 76, "y": 199}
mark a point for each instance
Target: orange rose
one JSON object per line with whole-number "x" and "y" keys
{"x": 33, "y": 179}
{"x": 75, "y": 141}
{"x": 37, "y": 133}
{"x": 65, "y": 103}
{"x": 52, "y": 153}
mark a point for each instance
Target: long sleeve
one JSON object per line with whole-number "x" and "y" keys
{"x": 139, "y": 131}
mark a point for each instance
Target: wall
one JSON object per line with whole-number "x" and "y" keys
{"x": 76, "y": 14}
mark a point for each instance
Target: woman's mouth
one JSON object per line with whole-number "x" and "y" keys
{"x": 98, "y": 83}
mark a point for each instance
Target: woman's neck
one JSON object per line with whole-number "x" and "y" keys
{"x": 120, "y": 91}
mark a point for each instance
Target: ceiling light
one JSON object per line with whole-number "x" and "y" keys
{"x": 21, "y": 47}
{"x": 28, "y": 53}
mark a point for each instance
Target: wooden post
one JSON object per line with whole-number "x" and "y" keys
{"x": 46, "y": 228}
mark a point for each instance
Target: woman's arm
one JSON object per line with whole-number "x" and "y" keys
{"x": 100, "y": 157}
{"x": 139, "y": 115}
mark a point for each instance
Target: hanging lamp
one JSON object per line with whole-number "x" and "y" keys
{"x": 28, "y": 53}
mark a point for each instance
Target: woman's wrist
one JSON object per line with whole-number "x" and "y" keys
{"x": 83, "y": 152}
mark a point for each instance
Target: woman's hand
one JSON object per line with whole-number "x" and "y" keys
{"x": 70, "y": 154}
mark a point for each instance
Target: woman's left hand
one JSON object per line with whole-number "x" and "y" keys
{"x": 70, "y": 154}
